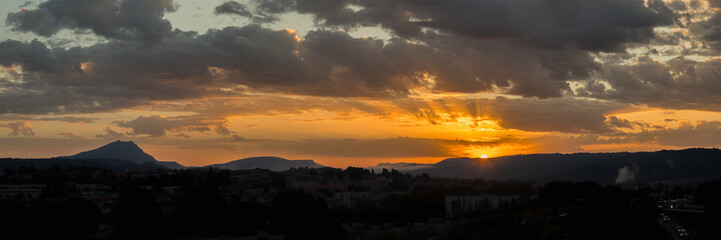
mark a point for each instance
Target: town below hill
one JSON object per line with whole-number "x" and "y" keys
{"x": 353, "y": 203}
{"x": 119, "y": 192}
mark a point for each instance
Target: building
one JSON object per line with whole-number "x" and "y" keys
{"x": 24, "y": 192}
{"x": 459, "y": 205}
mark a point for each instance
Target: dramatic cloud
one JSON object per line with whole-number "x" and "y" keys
{"x": 233, "y": 7}
{"x": 521, "y": 47}
{"x": 158, "y": 125}
{"x": 614, "y": 121}
{"x": 526, "y": 75}
{"x": 19, "y": 128}
{"x": 700, "y": 134}
{"x": 118, "y": 19}
{"x": 679, "y": 83}
{"x": 603, "y": 25}
{"x": 119, "y": 75}
{"x": 112, "y": 134}
{"x": 562, "y": 115}
{"x": 122, "y": 74}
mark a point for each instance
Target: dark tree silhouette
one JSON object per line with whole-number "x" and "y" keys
{"x": 301, "y": 216}
{"x": 138, "y": 215}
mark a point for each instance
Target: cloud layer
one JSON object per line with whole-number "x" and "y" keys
{"x": 117, "y": 19}
{"x": 526, "y": 48}
{"x": 519, "y": 67}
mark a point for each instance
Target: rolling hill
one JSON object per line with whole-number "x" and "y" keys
{"x": 270, "y": 163}
{"x": 666, "y": 165}
{"x": 122, "y": 150}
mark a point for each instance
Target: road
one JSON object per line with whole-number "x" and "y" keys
{"x": 671, "y": 227}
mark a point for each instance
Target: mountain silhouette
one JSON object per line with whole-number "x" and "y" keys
{"x": 125, "y": 151}
{"x": 270, "y": 163}
{"x": 119, "y": 150}
{"x": 622, "y": 167}
{"x": 117, "y": 156}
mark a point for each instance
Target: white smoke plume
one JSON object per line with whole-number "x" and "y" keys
{"x": 626, "y": 174}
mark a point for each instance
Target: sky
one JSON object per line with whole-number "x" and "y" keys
{"x": 358, "y": 82}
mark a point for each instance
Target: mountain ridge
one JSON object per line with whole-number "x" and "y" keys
{"x": 267, "y": 162}
{"x": 607, "y": 167}
{"x": 124, "y": 151}
{"x": 131, "y": 152}
{"x": 613, "y": 167}
{"x": 120, "y": 150}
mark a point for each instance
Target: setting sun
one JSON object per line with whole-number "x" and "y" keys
{"x": 469, "y": 93}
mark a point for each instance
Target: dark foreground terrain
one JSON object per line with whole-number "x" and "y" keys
{"x": 95, "y": 203}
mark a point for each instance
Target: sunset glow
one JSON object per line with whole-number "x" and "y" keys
{"x": 201, "y": 84}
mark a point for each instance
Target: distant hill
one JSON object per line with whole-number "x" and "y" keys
{"x": 125, "y": 151}
{"x": 666, "y": 165}
{"x": 117, "y": 156}
{"x": 270, "y": 163}
{"x": 119, "y": 150}
{"x": 171, "y": 165}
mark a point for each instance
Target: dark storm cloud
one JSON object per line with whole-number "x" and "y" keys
{"x": 679, "y": 83}
{"x": 602, "y": 25}
{"x": 326, "y": 63}
{"x": 36, "y": 56}
{"x": 27, "y": 3}
{"x": 529, "y": 48}
{"x": 117, "y": 19}
{"x": 102, "y": 77}
{"x": 340, "y": 65}
{"x": 620, "y": 123}
{"x": 701, "y": 21}
{"x": 235, "y": 8}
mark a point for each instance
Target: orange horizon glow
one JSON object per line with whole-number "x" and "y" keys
{"x": 445, "y": 124}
